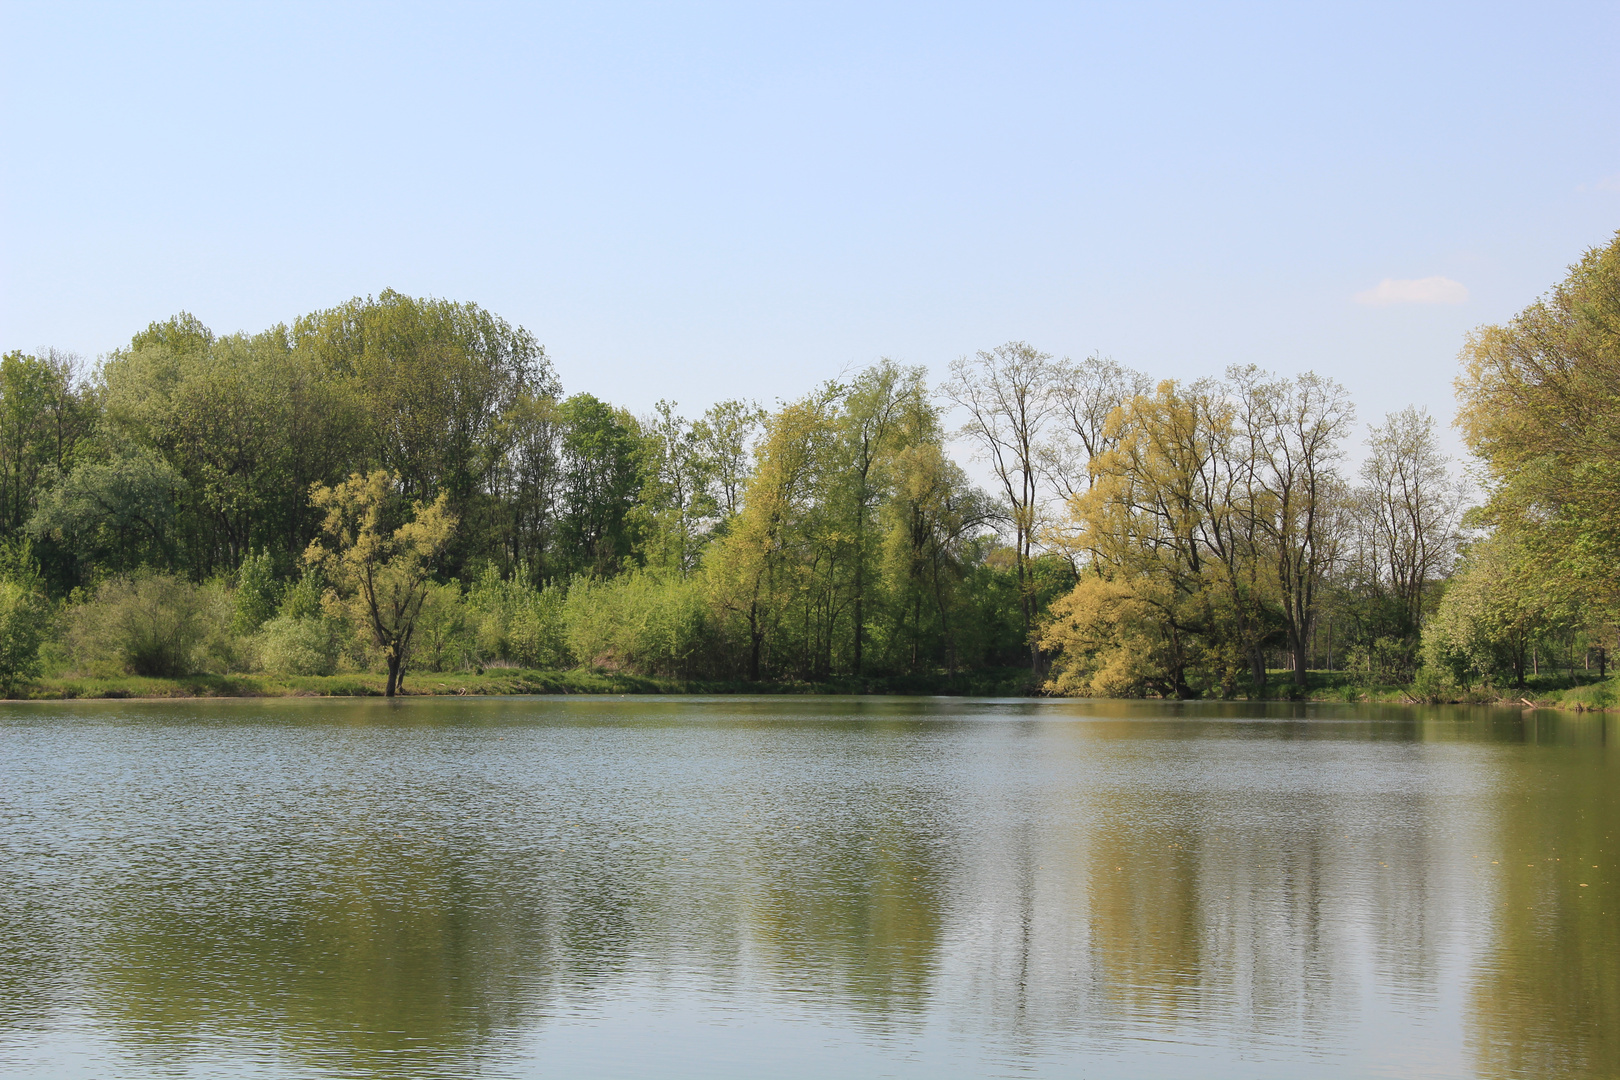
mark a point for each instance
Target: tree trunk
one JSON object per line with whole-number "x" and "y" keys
{"x": 860, "y": 578}
{"x": 1302, "y": 660}
{"x": 755, "y": 637}
{"x": 393, "y": 676}
{"x": 860, "y": 621}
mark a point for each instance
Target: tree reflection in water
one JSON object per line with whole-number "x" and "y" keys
{"x": 430, "y": 887}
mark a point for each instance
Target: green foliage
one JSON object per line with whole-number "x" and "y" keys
{"x": 117, "y": 513}
{"x": 1540, "y": 407}
{"x": 25, "y": 615}
{"x": 254, "y": 600}
{"x": 1603, "y": 695}
{"x": 434, "y": 379}
{"x": 1208, "y": 534}
{"x": 245, "y": 423}
{"x": 303, "y": 637}
{"x": 517, "y": 625}
{"x": 151, "y": 624}
{"x": 446, "y": 637}
{"x": 24, "y": 618}
{"x": 302, "y": 644}
{"x": 602, "y": 459}
{"x": 301, "y": 599}
{"x": 378, "y": 555}
{"x": 647, "y": 622}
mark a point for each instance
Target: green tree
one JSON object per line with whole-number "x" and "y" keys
{"x": 247, "y": 424}
{"x": 435, "y": 377}
{"x": 379, "y": 558}
{"x": 1406, "y": 515}
{"x": 933, "y": 524}
{"x": 118, "y": 513}
{"x": 25, "y": 615}
{"x": 1539, "y": 405}
{"x": 872, "y": 429}
{"x": 601, "y": 479}
{"x": 675, "y": 480}
{"x": 725, "y": 440}
{"x": 526, "y": 487}
{"x": 43, "y": 415}
{"x": 1488, "y": 619}
{"x": 756, "y": 570}
{"x": 1291, "y": 434}
{"x": 256, "y": 596}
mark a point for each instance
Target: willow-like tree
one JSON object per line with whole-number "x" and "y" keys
{"x": 871, "y": 430}
{"x": 754, "y": 570}
{"x": 379, "y": 564}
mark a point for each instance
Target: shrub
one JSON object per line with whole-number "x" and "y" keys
{"x": 151, "y": 624}
{"x": 514, "y": 623}
{"x": 646, "y": 622}
{"x": 254, "y": 600}
{"x": 301, "y": 645}
{"x": 444, "y": 638}
{"x": 24, "y": 615}
{"x": 302, "y": 599}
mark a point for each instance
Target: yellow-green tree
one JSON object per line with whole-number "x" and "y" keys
{"x": 756, "y": 569}
{"x": 379, "y": 565}
{"x": 883, "y": 410}
{"x": 1489, "y": 618}
{"x": 1147, "y": 600}
{"x": 1174, "y": 577}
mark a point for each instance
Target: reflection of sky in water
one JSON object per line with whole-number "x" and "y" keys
{"x": 804, "y": 887}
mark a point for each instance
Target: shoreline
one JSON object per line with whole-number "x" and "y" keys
{"x": 511, "y": 682}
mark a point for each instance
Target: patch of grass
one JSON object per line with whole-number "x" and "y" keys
{"x": 1593, "y": 696}
{"x": 1008, "y": 682}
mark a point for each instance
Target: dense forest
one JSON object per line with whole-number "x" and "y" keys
{"x": 401, "y": 484}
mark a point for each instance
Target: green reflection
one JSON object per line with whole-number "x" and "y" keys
{"x": 385, "y": 956}
{"x": 1546, "y": 998}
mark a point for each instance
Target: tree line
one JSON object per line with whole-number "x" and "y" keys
{"x": 400, "y": 483}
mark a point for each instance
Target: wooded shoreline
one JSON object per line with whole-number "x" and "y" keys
{"x": 399, "y": 485}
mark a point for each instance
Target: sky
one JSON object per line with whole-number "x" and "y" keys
{"x": 705, "y": 201}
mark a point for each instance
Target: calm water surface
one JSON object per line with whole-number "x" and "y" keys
{"x": 806, "y": 887}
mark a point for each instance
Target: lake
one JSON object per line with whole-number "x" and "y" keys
{"x": 806, "y": 887}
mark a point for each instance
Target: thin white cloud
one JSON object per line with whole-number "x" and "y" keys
{"x": 1429, "y": 290}
{"x": 1608, "y": 183}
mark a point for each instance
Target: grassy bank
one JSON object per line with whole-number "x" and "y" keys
{"x": 1582, "y": 692}
{"x": 1011, "y": 682}
{"x": 1546, "y": 691}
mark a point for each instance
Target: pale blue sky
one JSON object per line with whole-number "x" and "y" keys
{"x": 705, "y": 201}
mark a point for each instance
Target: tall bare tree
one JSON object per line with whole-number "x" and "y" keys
{"x": 1007, "y": 394}
{"x": 1084, "y": 395}
{"x": 1293, "y": 432}
{"x": 1409, "y": 507}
